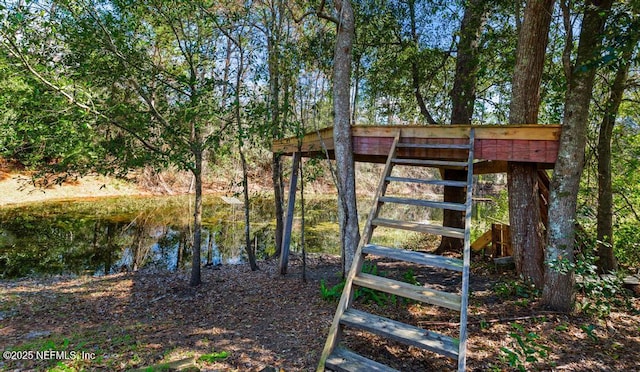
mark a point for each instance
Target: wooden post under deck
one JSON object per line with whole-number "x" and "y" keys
{"x": 288, "y": 223}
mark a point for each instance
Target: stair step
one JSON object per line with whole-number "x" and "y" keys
{"x": 432, "y": 260}
{"x": 428, "y": 182}
{"x": 430, "y": 163}
{"x": 405, "y": 333}
{"x": 343, "y": 360}
{"x": 414, "y": 292}
{"x": 434, "y": 146}
{"x": 424, "y": 203}
{"x": 452, "y": 232}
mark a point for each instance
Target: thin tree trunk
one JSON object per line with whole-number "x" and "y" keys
{"x": 210, "y": 249}
{"x": 302, "y": 241}
{"x": 415, "y": 72}
{"x": 247, "y": 224}
{"x": 195, "y": 279}
{"x": 345, "y": 167}
{"x": 527, "y": 238}
{"x": 463, "y": 96}
{"x": 245, "y": 177}
{"x": 606, "y": 258}
{"x": 558, "y": 291}
{"x": 273, "y": 60}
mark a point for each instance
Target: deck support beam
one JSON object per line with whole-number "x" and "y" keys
{"x": 288, "y": 224}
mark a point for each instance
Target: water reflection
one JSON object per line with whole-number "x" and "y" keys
{"x": 121, "y": 234}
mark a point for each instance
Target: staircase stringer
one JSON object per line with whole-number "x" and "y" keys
{"x": 466, "y": 257}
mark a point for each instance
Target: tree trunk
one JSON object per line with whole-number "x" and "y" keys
{"x": 197, "y": 222}
{"x": 415, "y": 73}
{"x": 463, "y": 96}
{"x": 273, "y": 59}
{"x": 247, "y": 224}
{"x": 606, "y": 258}
{"x": 527, "y": 239}
{"x": 558, "y": 293}
{"x": 345, "y": 167}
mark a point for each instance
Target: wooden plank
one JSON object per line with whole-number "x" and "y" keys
{"x": 430, "y": 163}
{"x": 343, "y": 360}
{"x": 424, "y": 203}
{"x": 445, "y": 146}
{"x": 490, "y": 167}
{"x": 406, "y": 290}
{"x": 401, "y": 332}
{"x": 466, "y": 257}
{"x": 532, "y": 132}
{"x": 482, "y": 242}
{"x": 288, "y": 224}
{"x": 445, "y": 131}
{"x": 452, "y": 232}
{"x": 428, "y": 182}
{"x": 420, "y": 258}
{"x": 372, "y": 143}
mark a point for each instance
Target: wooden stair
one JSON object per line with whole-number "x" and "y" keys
{"x": 335, "y": 356}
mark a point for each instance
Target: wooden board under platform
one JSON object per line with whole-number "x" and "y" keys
{"x": 494, "y": 144}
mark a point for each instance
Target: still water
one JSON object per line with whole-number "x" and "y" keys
{"x": 109, "y": 235}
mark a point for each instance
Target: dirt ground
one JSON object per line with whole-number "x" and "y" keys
{"x": 267, "y": 322}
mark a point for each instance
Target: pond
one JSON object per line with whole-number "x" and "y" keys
{"x": 109, "y": 235}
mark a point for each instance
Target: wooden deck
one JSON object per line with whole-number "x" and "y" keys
{"x": 494, "y": 145}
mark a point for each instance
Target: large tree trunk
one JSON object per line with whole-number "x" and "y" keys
{"x": 558, "y": 293}
{"x": 463, "y": 96}
{"x": 606, "y": 258}
{"x": 527, "y": 237}
{"x": 345, "y": 167}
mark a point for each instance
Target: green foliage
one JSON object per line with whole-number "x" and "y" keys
{"x": 366, "y": 295}
{"x": 588, "y": 329}
{"x": 333, "y": 293}
{"x": 509, "y": 288}
{"x": 214, "y": 357}
{"x": 601, "y": 293}
{"x": 524, "y": 349}
{"x": 626, "y": 243}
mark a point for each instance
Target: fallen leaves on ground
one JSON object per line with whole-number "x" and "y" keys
{"x": 262, "y": 319}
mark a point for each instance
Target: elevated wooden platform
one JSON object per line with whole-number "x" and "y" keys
{"x": 494, "y": 145}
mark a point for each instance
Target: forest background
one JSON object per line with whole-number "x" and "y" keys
{"x": 204, "y": 88}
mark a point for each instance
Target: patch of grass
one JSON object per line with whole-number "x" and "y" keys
{"x": 214, "y": 357}
{"x": 367, "y": 295}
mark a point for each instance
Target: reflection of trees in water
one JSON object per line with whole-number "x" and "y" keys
{"x": 107, "y": 236}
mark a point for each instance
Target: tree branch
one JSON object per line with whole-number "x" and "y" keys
{"x": 13, "y": 48}
{"x": 565, "y": 5}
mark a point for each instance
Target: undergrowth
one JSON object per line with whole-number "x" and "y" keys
{"x": 367, "y": 295}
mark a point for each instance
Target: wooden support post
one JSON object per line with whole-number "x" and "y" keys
{"x": 288, "y": 223}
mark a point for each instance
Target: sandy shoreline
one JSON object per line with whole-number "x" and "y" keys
{"x": 18, "y": 189}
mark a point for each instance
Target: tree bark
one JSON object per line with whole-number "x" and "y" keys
{"x": 463, "y": 96}
{"x": 558, "y": 293}
{"x": 195, "y": 279}
{"x": 606, "y": 258}
{"x": 345, "y": 167}
{"x": 527, "y": 239}
{"x": 273, "y": 60}
{"x": 415, "y": 73}
{"x": 251, "y": 254}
